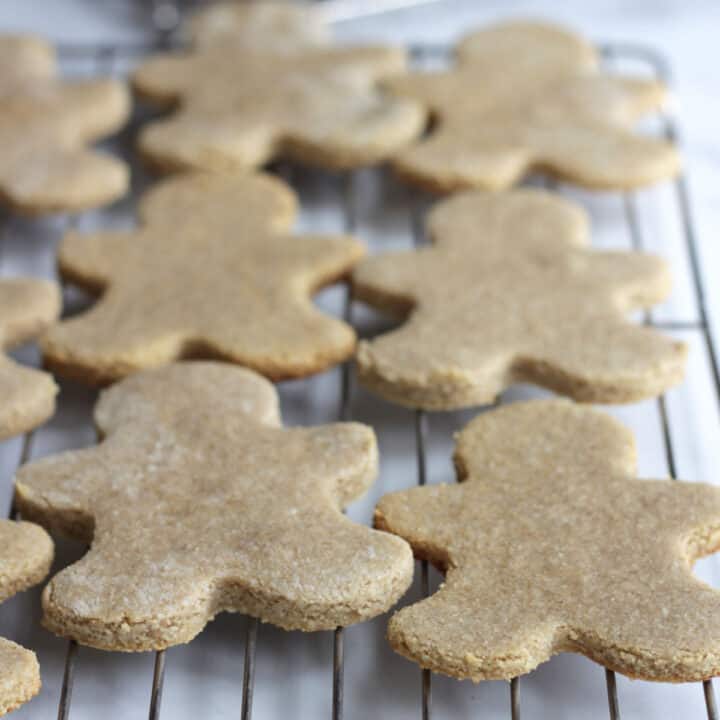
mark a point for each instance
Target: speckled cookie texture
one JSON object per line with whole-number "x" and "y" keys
{"x": 27, "y": 307}
{"x": 26, "y": 553}
{"x": 198, "y": 501}
{"x": 529, "y": 96}
{"x": 248, "y": 93}
{"x": 46, "y": 125}
{"x": 214, "y": 271}
{"x": 550, "y": 544}
{"x": 509, "y": 292}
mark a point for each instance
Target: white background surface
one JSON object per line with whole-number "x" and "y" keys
{"x": 294, "y": 670}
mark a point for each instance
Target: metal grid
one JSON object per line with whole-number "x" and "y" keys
{"x": 105, "y": 58}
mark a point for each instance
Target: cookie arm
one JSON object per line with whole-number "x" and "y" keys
{"x": 393, "y": 281}
{"x": 57, "y": 491}
{"x": 424, "y": 516}
{"x": 343, "y": 456}
{"x": 636, "y": 280}
{"x": 90, "y": 260}
{"x": 320, "y": 260}
{"x": 28, "y": 305}
{"x": 163, "y": 79}
{"x": 435, "y": 90}
{"x": 97, "y": 107}
{"x": 692, "y": 510}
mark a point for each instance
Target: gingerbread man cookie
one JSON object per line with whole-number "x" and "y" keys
{"x": 550, "y": 544}
{"x": 213, "y": 271}
{"x": 294, "y": 97}
{"x": 26, "y": 553}
{"x": 46, "y": 124}
{"x": 197, "y": 502}
{"x": 27, "y": 307}
{"x": 528, "y": 96}
{"x": 509, "y": 292}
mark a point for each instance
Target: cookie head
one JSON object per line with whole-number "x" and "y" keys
{"x": 197, "y": 501}
{"x": 527, "y": 96}
{"x": 214, "y": 271}
{"x": 509, "y": 292}
{"x": 550, "y": 544}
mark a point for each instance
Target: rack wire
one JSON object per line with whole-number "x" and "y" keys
{"x": 105, "y": 58}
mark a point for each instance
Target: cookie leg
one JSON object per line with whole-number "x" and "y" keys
{"x": 473, "y": 632}
{"x": 448, "y": 162}
{"x": 69, "y": 181}
{"x": 112, "y": 340}
{"x": 603, "y": 157}
{"x": 422, "y": 364}
{"x": 201, "y": 142}
{"x": 604, "y": 361}
{"x": 28, "y": 398}
{"x": 19, "y": 676}
{"x": 354, "y": 131}
{"x": 684, "y": 608}
{"x": 111, "y": 607}
{"x": 278, "y": 342}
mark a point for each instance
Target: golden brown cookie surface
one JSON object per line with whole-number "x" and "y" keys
{"x": 550, "y": 544}
{"x": 296, "y": 95}
{"x": 198, "y": 502}
{"x": 525, "y": 96}
{"x": 213, "y": 271}
{"x": 27, "y": 307}
{"x": 509, "y": 292}
{"x": 46, "y": 125}
{"x": 26, "y": 553}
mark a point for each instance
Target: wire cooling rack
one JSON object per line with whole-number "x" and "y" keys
{"x": 358, "y": 203}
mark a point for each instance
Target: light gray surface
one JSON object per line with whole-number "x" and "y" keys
{"x": 294, "y": 670}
